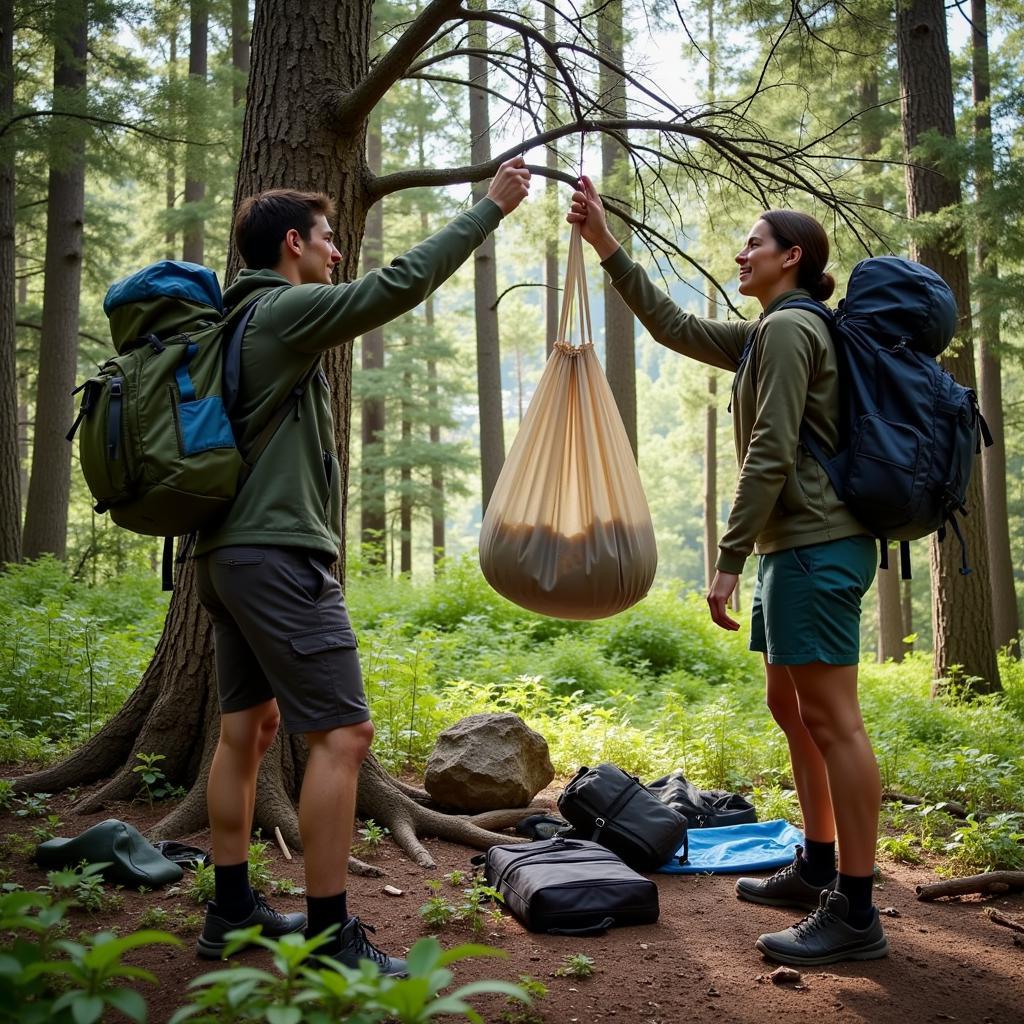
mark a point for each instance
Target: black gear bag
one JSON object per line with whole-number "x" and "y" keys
{"x": 607, "y": 806}
{"x": 569, "y": 886}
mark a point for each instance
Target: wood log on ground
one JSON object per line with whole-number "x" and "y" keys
{"x": 989, "y": 883}
{"x": 951, "y": 806}
{"x": 997, "y": 917}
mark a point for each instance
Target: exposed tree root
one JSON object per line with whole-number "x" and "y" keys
{"x": 991, "y": 882}
{"x": 506, "y": 818}
{"x": 950, "y": 806}
{"x": 381, "y": 800}
{"x": 417, "y": 793}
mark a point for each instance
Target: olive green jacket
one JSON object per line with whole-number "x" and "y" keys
{"x": 783, "y": 497}
{"x": 293, "y": 495}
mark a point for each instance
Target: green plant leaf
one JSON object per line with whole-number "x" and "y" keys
{"x": 424, "y": 956}
{"x": 129, "y": 1002}
{"x": 283, "y": 1015}
{"x": 467, "y": 950}
{"x": 86, "y": 1009}
{"x": 107, "y": 951}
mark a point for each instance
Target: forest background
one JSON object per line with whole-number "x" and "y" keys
{"x": 122, "y": 130}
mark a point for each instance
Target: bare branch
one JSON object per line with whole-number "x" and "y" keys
{"x": 356, "y": 105}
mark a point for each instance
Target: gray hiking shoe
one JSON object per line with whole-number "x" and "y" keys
{"x": 212, "y": 943}
{"x": 786, "y": 888}
{"x": 352, "y": 944}
{"x": 824, "y": 937}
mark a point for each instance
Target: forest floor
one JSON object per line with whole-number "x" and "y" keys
{"x": 948, "y": 961}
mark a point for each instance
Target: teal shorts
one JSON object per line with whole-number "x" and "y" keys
{"x": 807, "y": 602}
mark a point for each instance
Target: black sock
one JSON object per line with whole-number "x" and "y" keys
{"x": 819, "y": 862}
{"x": 232, "y": 894}
{"x": 323, "y": 911}
{"x": 857, "y": 891}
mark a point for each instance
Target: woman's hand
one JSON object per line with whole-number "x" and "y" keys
{"x": 721, "y": 590}
{"x": 587, "y": 210}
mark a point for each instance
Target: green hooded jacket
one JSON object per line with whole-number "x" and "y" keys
{"x": 292, "y": 498}
{"x": 783, "y": 497}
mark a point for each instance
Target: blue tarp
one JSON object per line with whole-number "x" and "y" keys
{"x": 732, "y": 848}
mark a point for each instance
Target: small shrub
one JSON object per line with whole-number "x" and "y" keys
{"x": 32, "y": 805}
{"x": 153, "y": 784}
{"x": 6, "y": 795}
{"x": 43, "y": 833}
{"x": 575, "y": 965}
{"x": 371, "y": 837}
{"x": 903, "y": 848}
{"x": 995, "y": 844}
{"x": 437, "y": 912}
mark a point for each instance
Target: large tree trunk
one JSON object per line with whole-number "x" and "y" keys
{"x": 1006, "y": 622}
{"x": 620, "y": 352}
{"x": 372, "y": 483}
{"x": 46, "y": 511}
{"x": 405, "y": 487}
{"x": 551, "y": 121}
{"x": 195, "y": 154}
{"x": 711, "y": 409}
{"x": 239, "y": 49}
{"x": 887, "y": 586}
{"x": 961, "y": 605}
{"x": 10, "y": 462}
{"x": 437, "y": 503}
{"x": 171, "y": 171}
{"x": 485, "y": 280}
{"x": 288, "y": 139}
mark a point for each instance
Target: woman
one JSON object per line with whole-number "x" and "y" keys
{"x": 815, "y": 563}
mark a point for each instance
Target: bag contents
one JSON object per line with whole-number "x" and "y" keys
{"x": 568, "y": 532}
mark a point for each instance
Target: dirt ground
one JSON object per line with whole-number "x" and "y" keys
{"x": 948, "y": 961}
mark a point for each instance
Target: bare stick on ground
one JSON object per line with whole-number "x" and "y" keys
{"x": 990, "y": 883}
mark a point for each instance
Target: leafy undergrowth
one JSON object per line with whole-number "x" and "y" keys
{"x": 655, "y": 688}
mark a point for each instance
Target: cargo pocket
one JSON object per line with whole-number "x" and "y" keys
{"x": 320, "y": 641}
{"x": 240, "y": 558}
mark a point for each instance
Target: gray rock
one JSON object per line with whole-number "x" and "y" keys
{"x": 488, "y": 762}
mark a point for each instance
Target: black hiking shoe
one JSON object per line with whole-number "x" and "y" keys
{"x": 352, "y": 945}
{"x": 786, "y": 888}
{"x": 824, "y": 937}
{"x": 211, "y": 943}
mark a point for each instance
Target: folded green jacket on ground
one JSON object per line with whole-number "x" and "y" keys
{"x": 133, "y": 860}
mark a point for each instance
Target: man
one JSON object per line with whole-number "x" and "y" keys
{"x": 284, "y": 646}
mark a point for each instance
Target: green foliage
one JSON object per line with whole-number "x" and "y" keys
{"x": 371, "y": 837}
{"x": 301, "y": 991}
{"x": 46, "y": 978}
{"x": 6, "y": 795}
{"x": 516, "y": 1013}
{"x": 173, "y": 920}
{"x": 32, "y": 805}
{"x": 153, "y": 784}
{"x": 473, "y": 909}
{"x": 995, "y": 844}
{"x": 201, "y": 887}
{"x": 83, "y": 887}
{"x": 575, "y": 965}
{"x": 69, "y": 653}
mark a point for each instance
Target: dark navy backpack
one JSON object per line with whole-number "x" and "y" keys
{"x": 908, "y": 432}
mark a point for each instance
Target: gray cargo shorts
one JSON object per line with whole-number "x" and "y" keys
{"x": 281, "y": 630}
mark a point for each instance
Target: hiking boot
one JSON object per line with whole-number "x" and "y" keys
{"x": 352, "y": 945}
{"x": 211, "y": 943}
{"x": 824, "y": 937}
{"x": 786, "y": 888}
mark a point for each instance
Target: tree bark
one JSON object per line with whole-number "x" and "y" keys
{"x": 405, "y": 488}
{"x": 437, "y": 504}
{"x": 10, "y": 461}
{"x": 711, "y": 409}
{"x": 372, "y": 482}
{"x": 620, "y": 350}
{"x": 552, "y": 294}
{"x": 288, "y": 140}
{"x": 46, "y": 511}
{"x": 195, "y": 155}
{"x": 239, "y": 50}
{"x": 887, "y": 586}
{"x": 485, "y": 279}
{"x": 171, "y": 172}
{"x": 961, "y": 606}
{"x": 1006, "y": 621}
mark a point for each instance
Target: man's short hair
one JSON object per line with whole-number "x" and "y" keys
{"x": 264, "y": 219}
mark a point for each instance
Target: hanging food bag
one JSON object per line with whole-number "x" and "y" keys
{"x": 567, "y": 531}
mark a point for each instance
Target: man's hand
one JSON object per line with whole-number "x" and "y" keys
{"x": 721, "y": 590}
{"x": 511, "y": 185}
{"x": 587, "y": 210}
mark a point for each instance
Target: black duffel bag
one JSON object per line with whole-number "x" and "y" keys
{"x": 569, "y": 886}
{"x": 607, "y": 806}
{"x": 702, "y": 808}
